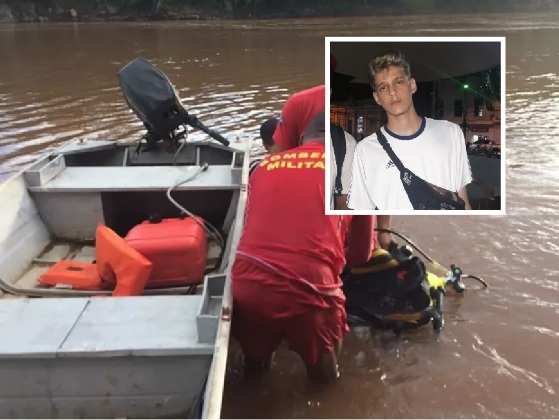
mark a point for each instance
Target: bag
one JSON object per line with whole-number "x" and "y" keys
{"x": 422, "y": 194}
{"x": 388, "y": 293}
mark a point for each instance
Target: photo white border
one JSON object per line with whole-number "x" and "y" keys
{"x": 328, "y": 197}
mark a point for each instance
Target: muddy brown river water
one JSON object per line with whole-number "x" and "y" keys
{"x": 499, "y": 353}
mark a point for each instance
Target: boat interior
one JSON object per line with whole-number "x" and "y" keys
{"x": 64, "y": 196}
{"x": 50, "y": 213}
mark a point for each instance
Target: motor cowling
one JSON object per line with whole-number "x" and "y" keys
{"x": 152, "y": 97}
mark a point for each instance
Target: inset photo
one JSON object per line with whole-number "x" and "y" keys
{"x": 416, "y": 125}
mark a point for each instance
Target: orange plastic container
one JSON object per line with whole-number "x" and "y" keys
{"x": 177, "y": 248}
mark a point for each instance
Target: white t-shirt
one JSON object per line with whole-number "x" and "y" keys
{"x": 436, "y": 153}
{"x": 350, "y": 144}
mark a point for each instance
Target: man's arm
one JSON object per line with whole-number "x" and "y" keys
{"x": 463, "y": 194}
{"x": 384, "y": 238}
{"x": 340, "y": 201}
{"x": 360, "y": 240}
{"x": 347, "y": 166}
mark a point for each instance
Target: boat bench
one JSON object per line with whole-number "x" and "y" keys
{"x": 73, "y": 199}
{"x": 100, "y": 357}
{"x": 71, "y": 357}
{"x": 112, "y": 326}
{"x": 100, "y": 327}
{"x": 103, "y": 178}
{"x": 54, "y": 174}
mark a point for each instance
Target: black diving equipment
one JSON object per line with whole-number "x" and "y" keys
{"x": 397, "y": 290}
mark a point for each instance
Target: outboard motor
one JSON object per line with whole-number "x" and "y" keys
{"x": 152, "y": 97}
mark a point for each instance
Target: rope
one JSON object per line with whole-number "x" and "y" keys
{"x": 207, "y": 226}
{"x": 409, "y": 241}
{"x": 479, "y": 279}
{"x": 427, "y": 257}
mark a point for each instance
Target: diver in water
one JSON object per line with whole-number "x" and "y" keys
{"x": 267, "y": 130}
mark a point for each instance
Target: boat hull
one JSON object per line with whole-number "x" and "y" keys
{"x": 113, "y": 387}
{"x": 96, "y": 357}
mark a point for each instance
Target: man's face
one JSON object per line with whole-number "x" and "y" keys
{"x": 394, "y": 90}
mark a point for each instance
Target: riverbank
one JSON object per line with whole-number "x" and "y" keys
{"x": 26, "y": 11}
{"x": 95, "y": 11}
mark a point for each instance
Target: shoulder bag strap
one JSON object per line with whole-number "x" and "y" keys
{"x": 338, "y": 143}
{"x": 384, "y": 143}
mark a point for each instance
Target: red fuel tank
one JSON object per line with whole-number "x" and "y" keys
{"x": 177, "y": 248}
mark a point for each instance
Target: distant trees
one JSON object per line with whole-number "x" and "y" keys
{"x": 284, "y": 8}
{"x": 245, "y": 8}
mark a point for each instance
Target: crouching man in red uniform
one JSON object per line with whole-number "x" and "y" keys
{"x": 286, "y": 276}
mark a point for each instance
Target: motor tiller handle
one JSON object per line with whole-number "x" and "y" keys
{"x": 196, "y": 123}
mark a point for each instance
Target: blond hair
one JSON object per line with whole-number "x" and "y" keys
{"x": 384, "y": 61}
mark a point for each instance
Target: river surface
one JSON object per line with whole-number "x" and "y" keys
{"x": 499, "y": 353}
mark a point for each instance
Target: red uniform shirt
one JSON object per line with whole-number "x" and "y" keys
{"x": 285, "y": 226}
{"x": 286, "y": 282}
{"x": 297, "y": 112}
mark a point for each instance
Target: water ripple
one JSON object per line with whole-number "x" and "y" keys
{"x": 509, "y": 369}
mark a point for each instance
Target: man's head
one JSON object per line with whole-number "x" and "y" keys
{"x": 267, "y": 132}
{"x": 392, "y": 84}
{"x": 315, "y": 130}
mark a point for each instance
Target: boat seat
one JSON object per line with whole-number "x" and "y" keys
{"x": 118, "y": 266}
{"x": 138, "y": 178}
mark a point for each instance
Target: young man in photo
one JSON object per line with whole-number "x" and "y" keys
{"x": 433, "y": 150}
